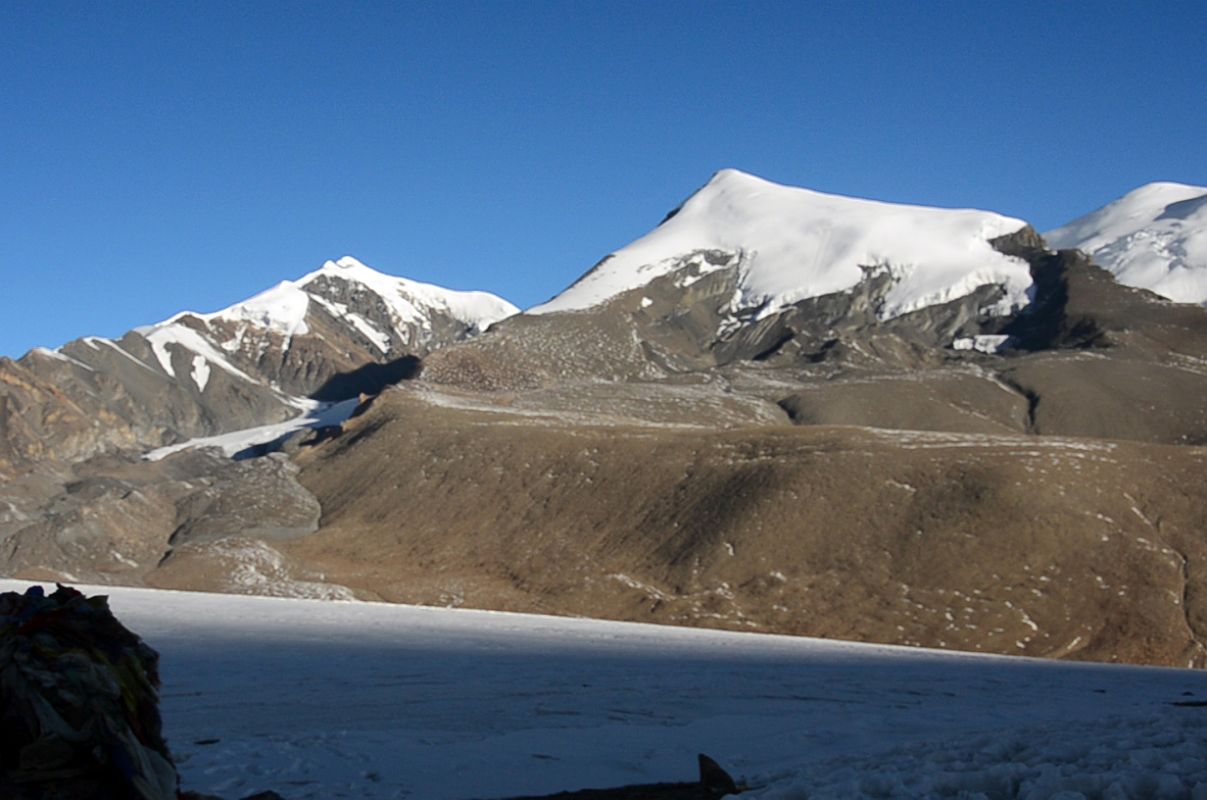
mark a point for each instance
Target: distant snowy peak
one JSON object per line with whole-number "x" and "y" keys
{"x": 388, "y": 312}
{"x": 331, "y": 335}
{"x": 792, "y": 244}
{"x": 411, "y": 302}
{"x": 1154, "y": 237}
{"x": 344, "y": 307}
{"x": 285, "y": 307}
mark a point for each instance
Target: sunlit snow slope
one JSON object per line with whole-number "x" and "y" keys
{"x": 1154, "y": 237}
{"x": 795, "y": 244}
{"x": 284, "y": 309}
{"x": 362, "y": 700}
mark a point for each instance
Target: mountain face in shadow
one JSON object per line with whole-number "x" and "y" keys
{"x": 368, "y": 379}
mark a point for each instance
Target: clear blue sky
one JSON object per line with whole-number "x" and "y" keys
{"x": 158, "y": 156}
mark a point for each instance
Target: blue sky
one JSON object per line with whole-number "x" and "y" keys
{"x": 162, "y": 156}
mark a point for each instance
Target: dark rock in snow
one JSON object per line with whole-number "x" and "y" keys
{"x": 79, "y": 715}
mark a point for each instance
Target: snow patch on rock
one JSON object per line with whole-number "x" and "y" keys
{"x": 256, "y": 568}
{"x": 411, "y": 302}
{"x": 201, "y": 372}
{"x": 990, "y": 344}
{"x": 58, "y": 355}
{"x": 95, "y": 341}
{"x": 340, "y": 311}
{"x": 173, "y": 333}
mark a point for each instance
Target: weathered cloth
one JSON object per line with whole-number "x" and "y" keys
{"x": 79, "y": 715}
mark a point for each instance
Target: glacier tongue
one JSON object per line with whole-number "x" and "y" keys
{"x": 794, "y": 244}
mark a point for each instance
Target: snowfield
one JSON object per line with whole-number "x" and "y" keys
{"x": 1154, "y": 237}
{"x": 362, "y": 700}
{"x": 314, "y": 415}
{"x": 792, "y": 244}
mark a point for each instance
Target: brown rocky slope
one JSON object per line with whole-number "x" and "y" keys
{"x": 1010, "y": 544}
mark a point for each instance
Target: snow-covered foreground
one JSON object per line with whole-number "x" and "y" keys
{"x": 328, "y": 700}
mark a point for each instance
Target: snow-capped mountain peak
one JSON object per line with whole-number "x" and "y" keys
{"x": 345, "y": 304}
{"x": 411, "y": 301}
{"x": 345, "y": 289}
{"x": 284, "y": 307}
{"x": 792, "y": 244}
{"x": 1154, "y": 237}
{"x": 1126, "y": 215}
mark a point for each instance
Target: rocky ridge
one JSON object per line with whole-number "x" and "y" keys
{"x": 262, "y": 360}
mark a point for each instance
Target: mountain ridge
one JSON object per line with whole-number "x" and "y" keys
{"x": 689, "y": 448}
{"x": 251, "y": 363}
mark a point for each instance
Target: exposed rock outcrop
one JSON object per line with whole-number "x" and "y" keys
{"x": 79, "y": 705}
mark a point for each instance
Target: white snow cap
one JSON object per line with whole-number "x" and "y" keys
{"x": 795, "y": 244}
{"x": 284, "y": 307}
{"x": 1154, "y": 237}
{"x": 412, "y": 301}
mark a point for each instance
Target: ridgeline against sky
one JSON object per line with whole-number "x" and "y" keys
{"x": 155, "y": 158}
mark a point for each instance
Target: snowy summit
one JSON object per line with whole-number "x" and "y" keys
{"x": 793, "y": 244}
{"x": 411, "y": 301}
{"x": 381, "y": 308}
{"x": 1154, "y": 237}
{"x": 284, "y": 307}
